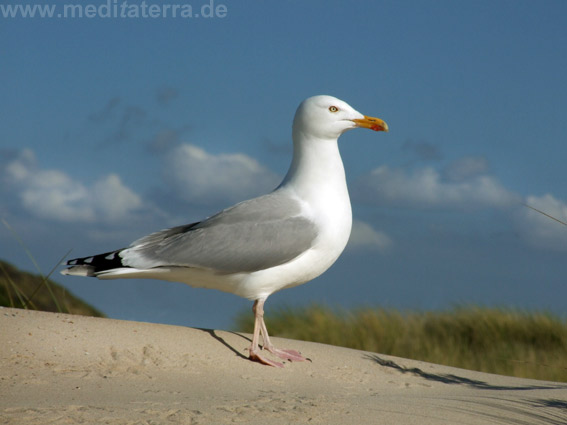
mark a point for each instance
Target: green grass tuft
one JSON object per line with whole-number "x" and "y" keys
{"x": 19, "y": 289}
{"x": 506, "y": 342}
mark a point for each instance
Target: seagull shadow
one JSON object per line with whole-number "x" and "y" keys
{"x": 212, "y": 333}
{"x": 555, "y": 403}
{"x": 454, "y": 379}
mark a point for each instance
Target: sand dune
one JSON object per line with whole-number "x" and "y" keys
{"x": 64, "y": 369}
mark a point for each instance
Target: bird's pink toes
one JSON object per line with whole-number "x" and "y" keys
{"x": 257, "y": 357}
{"x": 290, "y": 355}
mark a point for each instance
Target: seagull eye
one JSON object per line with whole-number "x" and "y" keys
{"x": 333, "y": 108}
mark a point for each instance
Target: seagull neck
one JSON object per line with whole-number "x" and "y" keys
{"x": 316, "y": 165}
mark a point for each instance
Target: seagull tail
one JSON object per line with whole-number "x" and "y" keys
{"x": 94, "y": 265}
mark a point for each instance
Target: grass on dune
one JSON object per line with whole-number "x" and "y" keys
{"x": 506, "y": 342}
{"x": 19, "y": 289}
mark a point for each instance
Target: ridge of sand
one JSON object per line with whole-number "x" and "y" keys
{"x": 65, "y": 369}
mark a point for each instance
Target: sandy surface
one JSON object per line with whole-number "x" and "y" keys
{"x": 64, "y": 369}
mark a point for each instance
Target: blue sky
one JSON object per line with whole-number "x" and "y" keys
{"x": 115, "y": 127}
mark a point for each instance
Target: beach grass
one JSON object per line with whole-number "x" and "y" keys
{"x": 19, "y": 289}
{"x": 502, "y": 341}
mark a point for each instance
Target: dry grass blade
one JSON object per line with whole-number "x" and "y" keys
{"x": 11, "y": 286}
{"x": 31, "y": 257}
{"x": 545, "y": 214}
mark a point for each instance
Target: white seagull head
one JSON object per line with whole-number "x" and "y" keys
{"x": 326, "y": 117}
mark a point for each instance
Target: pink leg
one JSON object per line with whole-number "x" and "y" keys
{"x": 260, "y": 328}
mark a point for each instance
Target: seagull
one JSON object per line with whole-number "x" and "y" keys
{"x": 257, "y": 247}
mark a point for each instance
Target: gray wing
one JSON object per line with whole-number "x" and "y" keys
{"x": 254, "y": 235}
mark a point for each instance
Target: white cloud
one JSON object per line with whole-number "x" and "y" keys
{"x": 465, "y": 185}
{"x": 54, "y": 195}
{"x": 364, "y": 235}
{"x": 540, "y": 230}
{"x": 427, "y": 188}
{"x": 199, "y": 177}
{"x": 114, "y": 200}
{"x": 466, "y": 168}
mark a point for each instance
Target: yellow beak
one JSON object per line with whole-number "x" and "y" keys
{"x": 372, "y": 123}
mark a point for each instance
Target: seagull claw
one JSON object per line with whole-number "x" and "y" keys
{"x": 290, "y": 355}
{"x": 256, "y": 357}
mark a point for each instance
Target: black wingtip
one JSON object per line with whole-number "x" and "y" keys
{"x": 90, "y": 266}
